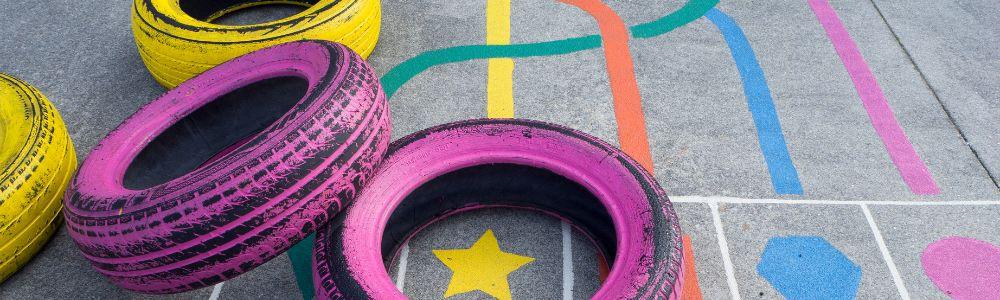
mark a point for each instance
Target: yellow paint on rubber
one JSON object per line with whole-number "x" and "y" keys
{"x": 500, "y": 74}
{"x": 37, "y": 161}
{"x": 176, "y": 46}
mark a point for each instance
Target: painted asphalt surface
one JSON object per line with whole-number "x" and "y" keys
{"x": 935, "y": 61}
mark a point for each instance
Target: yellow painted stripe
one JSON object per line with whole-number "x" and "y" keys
{"x": 500, "y": 74}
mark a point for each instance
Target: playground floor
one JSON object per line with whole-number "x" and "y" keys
{"x": 864, "y": 135}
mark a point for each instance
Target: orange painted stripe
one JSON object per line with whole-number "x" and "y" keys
{"x": 602, "y": 268}
{"x": 621, "y": 73}
{"x": 631, "y": 120}
{"x": 691, "y": 289}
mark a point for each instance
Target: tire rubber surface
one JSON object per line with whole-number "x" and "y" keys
{"x": 36, "y": 162}
{"x": 510, "y": 163}
{"x": 177, "y": 41}
{"x": 223, "y": 211}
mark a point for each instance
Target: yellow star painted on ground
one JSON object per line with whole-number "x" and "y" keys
{"x": 482, "y": 267}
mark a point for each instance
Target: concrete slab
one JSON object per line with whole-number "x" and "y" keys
{"x": 701, "y": 132}
{"x": 432, "y": 98}
{"x": 702, "y": 135}
{"x": 830, "y": 136}
{"x": 748, "y": 227}
{"x": 953, "y": 44}
{"x": 696, "y": 222}
{"x": 84, "y": 61}
{"x": 909, "y": 230}
{"x": 442, "y": 94}
{"x": 427, "y": 277}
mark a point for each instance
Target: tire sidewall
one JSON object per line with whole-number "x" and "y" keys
{"x": 356, "y": 111}
{"x": 644, "y": 222}
{"x": 176, "y": 47}
{"x": 34, "y": 175}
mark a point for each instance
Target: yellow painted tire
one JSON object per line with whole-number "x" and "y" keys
{"x": 177, "y": 41}
{"x": 37, "y": 161}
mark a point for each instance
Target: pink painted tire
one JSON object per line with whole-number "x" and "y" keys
{"x": 229, "y": 169}
{"x": 512, "y": 163}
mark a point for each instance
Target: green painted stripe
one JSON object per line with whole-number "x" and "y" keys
{"x": 301, "y": 257}
{"x": 301, "y": 254}
{"x": 403, "y": 72}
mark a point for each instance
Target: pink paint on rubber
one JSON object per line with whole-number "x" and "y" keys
{"x": 911, "y": 168}
{"x": 251, "y": 201}
{"x": 963, "y": 268}
{"x": 347, "y": 261}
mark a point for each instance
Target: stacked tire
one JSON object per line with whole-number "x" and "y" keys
{"x": 36, "y": 162}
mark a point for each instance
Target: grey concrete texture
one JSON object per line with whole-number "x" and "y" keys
{"x": 909, "y": 230}
{"x": 749, "y": 227}
{"x": 81, "y": 55}
{"x": 696, "y": 222}
{"x": 829, "y": 134}
{"x": 954, "y": 45}
{"x": 427, "y": 277}
{"x": 441, "y": 94}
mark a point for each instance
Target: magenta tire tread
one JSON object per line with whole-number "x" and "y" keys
{"x": 233, "y": 209}
{"x": 481, "y": 163}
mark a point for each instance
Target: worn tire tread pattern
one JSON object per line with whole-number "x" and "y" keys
{"x": 176, "y": 46}
{"x": 37, "y": 160}
{"x": 648, "y": 267}
{"x": 237, "y": 212}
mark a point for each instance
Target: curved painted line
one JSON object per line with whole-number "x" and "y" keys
{"x": 406, "y": 70}
{"x": 784, "y": 177}
{"x": 632, "y": 136}
{"x": 910, "y": 166}
{"x": 403, "y": 72}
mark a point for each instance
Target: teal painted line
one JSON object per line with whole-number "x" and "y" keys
{"x": 301, "y": 257}
{"x": 784, "y": 177}
{"x": 400, "y": 74}
{"x": 301, "y": 254}
{"x": 691, "y": 11}
{"x": 408, "y": 69}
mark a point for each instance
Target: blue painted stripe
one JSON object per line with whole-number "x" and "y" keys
{"x": 784, "y": 177}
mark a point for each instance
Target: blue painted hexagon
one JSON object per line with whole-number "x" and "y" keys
{"x": 808, "y": 267}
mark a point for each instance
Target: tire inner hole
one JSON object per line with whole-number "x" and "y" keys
{"x": 497, "y": 188}
{"x": 243, "y": 12}
{"x": 208, "y": 133}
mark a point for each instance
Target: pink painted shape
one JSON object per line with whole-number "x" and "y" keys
{"x": 963, "y": 268}
{"x": 913, "y": 170}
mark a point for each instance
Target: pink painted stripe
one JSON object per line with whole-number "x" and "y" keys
{"x": 913, "y": 170}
